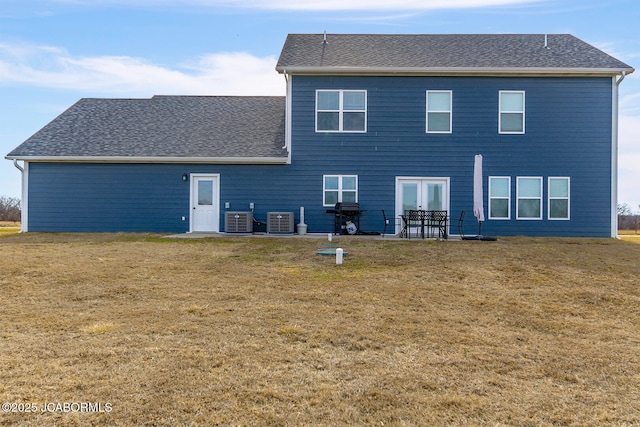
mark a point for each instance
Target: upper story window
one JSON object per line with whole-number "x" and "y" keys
{"x": 558, "y": 198}
{"x": 499, "y": 197}
{"x": 341, "y": 111}
{"x": 340, "y": 188}
{"x": 529, "y": 189}
{"x": 439, "y": 111}
{"x": 511, "y": 117}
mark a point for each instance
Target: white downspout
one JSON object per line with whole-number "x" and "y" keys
{"x": 614, "y": 157}
{"x": 288, "y": 114}
{"x": 24, "y": 213}
{"x": 286, "y": 109}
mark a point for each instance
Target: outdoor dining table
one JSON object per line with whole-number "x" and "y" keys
{"x": 431, "y": 220}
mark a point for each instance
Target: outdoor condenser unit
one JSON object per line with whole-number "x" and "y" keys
{"x": 280, "y": 222}
{"x": 238, "y": 222}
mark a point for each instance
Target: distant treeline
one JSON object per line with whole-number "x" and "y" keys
{"x": 10, "y": 209}
{"x": 629, "y": 222}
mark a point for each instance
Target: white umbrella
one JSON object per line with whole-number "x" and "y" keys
{"x": 478, "y": 207}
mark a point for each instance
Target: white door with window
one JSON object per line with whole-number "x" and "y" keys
{"x": 421, "y": 193}
{"x": 205, "y": 206}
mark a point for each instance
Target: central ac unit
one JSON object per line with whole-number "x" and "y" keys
{"x": 238, "y": 222}
{"x": 280, "y": 222}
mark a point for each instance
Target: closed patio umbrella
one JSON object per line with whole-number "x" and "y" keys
{"x": 478, "y": 207}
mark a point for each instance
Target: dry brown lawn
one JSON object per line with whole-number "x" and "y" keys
{"x": 262, "y": 331}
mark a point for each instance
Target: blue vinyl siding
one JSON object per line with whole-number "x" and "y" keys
{"x": 111, "y": 197}
{"x": 568, "y": 133}
{"x": 141, "y": 197}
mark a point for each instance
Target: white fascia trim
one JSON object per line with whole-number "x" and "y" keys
{"x": 457, "y": 71}
{"x": 127, "y": 159}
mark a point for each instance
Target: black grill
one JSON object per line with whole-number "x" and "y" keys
{"x": 345, "y": 212}
{"x": 347, "y": 208}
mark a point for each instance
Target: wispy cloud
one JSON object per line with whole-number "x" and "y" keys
{"x": 212, "y": 74}
{"x": 630, "y": 103}
{"x": 628, "y": 160}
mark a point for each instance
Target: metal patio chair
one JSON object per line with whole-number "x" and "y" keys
{"x": 390, "y": 221}
{"x": 438, "y": 221}
{"x": 461, "y": 225}
{"x": 414, "y": 218}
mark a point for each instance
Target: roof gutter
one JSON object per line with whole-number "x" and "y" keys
{"x": 468, "y": 71}
{"x": 128, "y": 159}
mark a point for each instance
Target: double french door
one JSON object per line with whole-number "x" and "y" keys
{"x": 421, "y": 193}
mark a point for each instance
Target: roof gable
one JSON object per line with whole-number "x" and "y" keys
{"x": 164, "y": 127}
{"x": 446, "y": 52}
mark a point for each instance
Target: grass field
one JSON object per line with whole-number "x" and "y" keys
{"x": 262, "y": 331}
{"x": 9, "y": 227}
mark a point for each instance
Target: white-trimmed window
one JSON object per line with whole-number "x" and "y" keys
{"x": 439, "y": 109}
{"x": 529, "y": 197}
{"x": 559, "y": 196}
{"x": 511, "y": 117}
{"x": 341, "y": 111}
{"x": 339, "y": 188}
{"x": 499, "y": 197}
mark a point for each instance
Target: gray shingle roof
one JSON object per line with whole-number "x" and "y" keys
{"x": 445, "y": 52}
{"x": 212, "y": 127}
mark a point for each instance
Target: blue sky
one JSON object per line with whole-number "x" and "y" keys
{"x": 54, "y": 52}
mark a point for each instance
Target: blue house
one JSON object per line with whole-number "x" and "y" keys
{"x": 391, "y": 122}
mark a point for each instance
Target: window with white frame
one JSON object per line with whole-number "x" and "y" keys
{"x": 439, "y": 115}
{"x": 559, "y": 193}
{"x": 499, "y": 197}
{"x": 339, "y": 188}
{"x": 341, "y": 111}
{"x": 511, "y": 117}
{"x": 529, "y": 197}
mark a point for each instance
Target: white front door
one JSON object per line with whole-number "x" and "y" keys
{"x": 421, "y": 193}
{"x": 205, "y": 207}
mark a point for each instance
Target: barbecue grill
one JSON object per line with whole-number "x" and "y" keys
{"x": 345, "y": 212}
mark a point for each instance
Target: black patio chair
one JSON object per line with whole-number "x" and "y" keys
{"x": 389, "y": 221}
{"x": 438, "y": 222}
{"x": 414, "y": 218}
{"x": 461, "y": 225}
